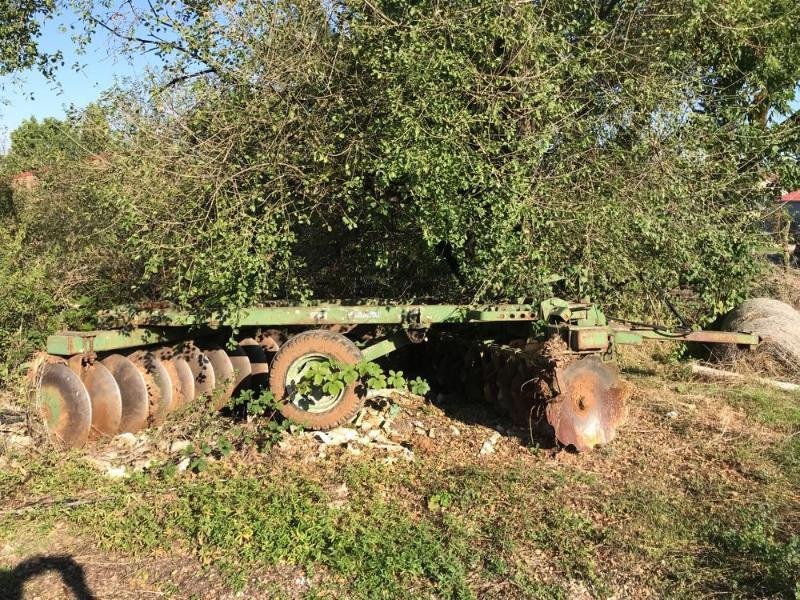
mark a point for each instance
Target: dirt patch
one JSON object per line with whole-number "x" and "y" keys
{"x": 59, "y": 565}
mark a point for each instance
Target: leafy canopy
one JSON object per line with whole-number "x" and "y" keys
{"x": 463, "y": 150}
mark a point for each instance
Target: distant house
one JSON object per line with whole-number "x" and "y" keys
{"x": 791, "y": 202}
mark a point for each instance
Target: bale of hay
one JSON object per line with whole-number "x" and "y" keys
{"x": 778, "y": 325}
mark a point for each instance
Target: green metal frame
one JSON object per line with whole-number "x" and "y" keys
{"x": 582, "y": 325}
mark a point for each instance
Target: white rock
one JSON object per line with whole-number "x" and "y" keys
{"x": 19, "y": 441}
{"x": 672, "y": 414}
{"x": 322, "y": 437}
{"x": 340, "y": 436}
{"x": 454, "y": 431}
{"x": 184, "y": 464}
{"x": 126, "y": 439}
{"x": 488, "y": 446}
{"x": 115, "y": 472}
{"x": 179, "y": 445}
{"x": 141, "y": 465}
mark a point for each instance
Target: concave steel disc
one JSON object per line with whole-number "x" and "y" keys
{"x": 104, "y": 395}
{"x": 259, "y": 364}
{"x": 159, "y": 385}
{"x": 181, "y": 376}
{"x": 204, "y": 379}
{"x": 225, "y": 378}
{"x": 65, "y": 405}
{"x": 133, "y": 393}
{"x": 271, "y": 340}
{"x": 242, "y": 369}
{"x": 590, "y": 406}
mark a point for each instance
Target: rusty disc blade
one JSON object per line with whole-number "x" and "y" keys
{"x": 259, "y": 364}
{"x": 159, "y": 385}
{"x": 241, "y": 368}
{"x": 133, "y": 393}
{"x": 104, "y": 394}
{"x": 181, "y": 376}
{"x": 65, "y": 405}
{"x": 271, "y": 340}
{"x": 224, "y": 374}
{"x": 590, "y": 406}
{"x": 200, "y": 366}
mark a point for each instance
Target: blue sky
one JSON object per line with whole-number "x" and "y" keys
{"x": 99, "y": 70}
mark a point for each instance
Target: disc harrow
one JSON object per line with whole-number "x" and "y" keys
{"x": 557, "y": 396}
{"x": 547, "y": 367}
{"x": 89, "y": 396}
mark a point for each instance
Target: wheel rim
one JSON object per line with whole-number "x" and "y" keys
{"x": 316, "y": 401}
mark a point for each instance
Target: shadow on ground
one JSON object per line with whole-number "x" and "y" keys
{"x": 12, "y": 582}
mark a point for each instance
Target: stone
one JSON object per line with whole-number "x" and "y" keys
{"x": 488, "y": 446}
{"x": 115, "y": 472}
{"x": 126, "y": 439}
{"x": 179, "y": 446}
{"x": 341, "y": 435}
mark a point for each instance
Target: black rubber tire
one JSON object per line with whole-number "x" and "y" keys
{"x": 332, "y": 345}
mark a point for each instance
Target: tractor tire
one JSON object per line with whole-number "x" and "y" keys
{"x": 319, "y": 343}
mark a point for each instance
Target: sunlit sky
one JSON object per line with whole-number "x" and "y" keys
{"x": 29, "y": 94}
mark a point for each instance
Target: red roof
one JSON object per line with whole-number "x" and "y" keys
{"x": 791, "y": 196}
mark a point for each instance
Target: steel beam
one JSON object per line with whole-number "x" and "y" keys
{"x": 68, "y": 343}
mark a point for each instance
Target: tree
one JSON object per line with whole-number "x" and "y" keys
{"x": 463, "y": 150}
{"x": 20, "y": 27}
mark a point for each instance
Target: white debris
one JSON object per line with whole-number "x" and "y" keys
{"x": 179, "y": 446}
{"x": 322, "y": 437}
{"x": 115, "y": 472}
{"x": 141, "y": 465}
{"x": 184, "y": 464}
{"x": 126, "y": 439}
{"x": 488, "y": 446}
{"x": 672, "y": 414}
{"x": 354, "y": 450}
{"x": 19, "y": 441}
{"x": 340, "y": 436}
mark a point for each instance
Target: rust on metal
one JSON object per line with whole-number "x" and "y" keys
{"x": 204, "y": 378}
{"x": 133, "y": 393}
{"x": 104, "y": 394}
{"x": 259, "y": 364}
{"x": 65, "y": 404}
{"x": 181, "y": 376}
{"x": 224, "y": 375}
{"x": 159, "y": 385}
{"x": 590, "y": 405}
